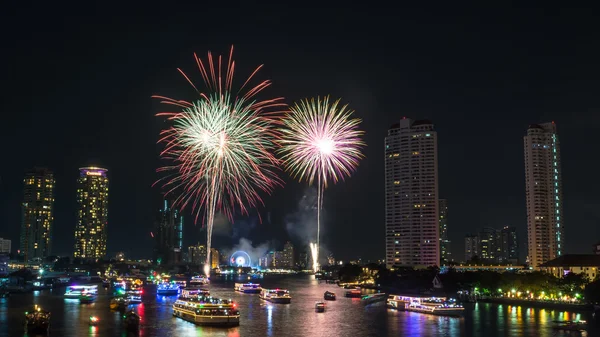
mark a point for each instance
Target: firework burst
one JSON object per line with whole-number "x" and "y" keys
{"x": 220, "y": 146}
{"x": 320, "y": 141}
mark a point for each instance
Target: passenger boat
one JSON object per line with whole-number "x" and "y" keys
{"x": 167, "y": 289}
{"x": 199, "y": 281}
{"x": 570, "y": 325}
{"x": 281, "y": 296}
{"x": 119, "y": 303}
{"x": 354, "y": 293}
{"x": 77, "y": 291}
{"x": 37, "y": 320}
{"x": 425, "y": 305}
{"x": 248, "y": 288}
{"x": 206, "y": 310}
{"x": 134, "y": 296}
{"x": 320, "y": 307}
{"x": 131, "y": 321}
{"x": 329, "y": 296}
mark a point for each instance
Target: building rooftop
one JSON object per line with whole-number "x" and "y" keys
{"x": 574, "y": 260}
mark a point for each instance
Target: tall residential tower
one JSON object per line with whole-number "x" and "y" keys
{"x": 411, "y": 195}
{"x": 543, "y": 188}
{"x": 38, "y": 214}
{"x": 92, "y": 213}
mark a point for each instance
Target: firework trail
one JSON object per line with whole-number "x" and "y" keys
{"x": 320, "y": 141}
{"x": 219, "y": 147}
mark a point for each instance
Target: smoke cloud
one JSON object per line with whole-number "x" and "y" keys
{"x": 302, "y": 224}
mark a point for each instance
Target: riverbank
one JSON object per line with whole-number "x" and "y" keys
{"x": 539, "y": 304}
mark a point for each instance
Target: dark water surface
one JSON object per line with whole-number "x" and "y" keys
{"x": 344, "y": 317}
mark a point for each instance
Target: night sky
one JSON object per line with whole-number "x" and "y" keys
{"x": 77, "y": 83}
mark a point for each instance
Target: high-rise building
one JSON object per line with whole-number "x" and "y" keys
{"x": 444, "y": 242}
{"x": 509, "y": 252}
{"x": 471, "y": 247}
{"x": 543, "y": 188}
{"x": 197, "y": 254}
{"x": 411, "y": 195}
{"x": 169, "y": 235}
{"x": 488, "y": 245}
{"x": 5, "y": 246}
{"x": 287, "y": 259}
{"x": 214, "y": 258}
{"x": 37, "y": 214}
{"x": 92, "y": 213}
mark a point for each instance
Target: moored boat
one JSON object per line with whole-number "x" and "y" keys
{"x": 248, "y": 288}
{"x": 373, "y": 298}
{"x": 206, "y": 310}
{"x": 425, "y": 305}
{"x": 329, "y": 296}
{"x": 37, "y": 320}
{"x": 281, "y": 296}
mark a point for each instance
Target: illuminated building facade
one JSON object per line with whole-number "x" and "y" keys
{"x": 543, "y": 188}
{"x": 444, "y": 241}
{"x": 509, "y": 252}
{"x": 197, "y": 254}
{"x": 37, "y": 214}
{"x": 214, "y": 258}
{"x": 169, "y": 235}
{"x": 92, "y": 213}
{"x": 411, "y": 195}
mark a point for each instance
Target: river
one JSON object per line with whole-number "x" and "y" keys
{"x": 344, "y": 317}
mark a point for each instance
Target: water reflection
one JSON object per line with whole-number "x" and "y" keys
{"x": 344, "y": 317}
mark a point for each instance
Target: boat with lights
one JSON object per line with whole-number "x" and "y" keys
{"x": 76, "y": 292}
{"x": 134, "y": 296}
{"x": 119, "y": 303}
{"x": 199, "y": 281}
{"x": 354, "y": 293}
{"x": 131, "y": 321}
{"x": 426, "y": 305}
{"x": 167, "y": 289}
{"x": 329, "y": 296}
{"x": 320, "y": 307}
{"x": 248, "y": 288}
{"x": 37, "y": 320}
{"x": 200, "y": 309}
{"x": 281, "y": 296}
{"x": 570, "y": 325}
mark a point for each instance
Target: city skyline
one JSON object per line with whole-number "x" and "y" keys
{"x": 481, "y": 92}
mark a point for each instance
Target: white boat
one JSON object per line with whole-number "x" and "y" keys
{"x": 199, "y": 281}
{"x": 281, "y": 296}
{"x": 425, "y": 305}
{"x": 248, "y": 288}
{"x": 77, "y": 291}
{"x": 206, "y": 310}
